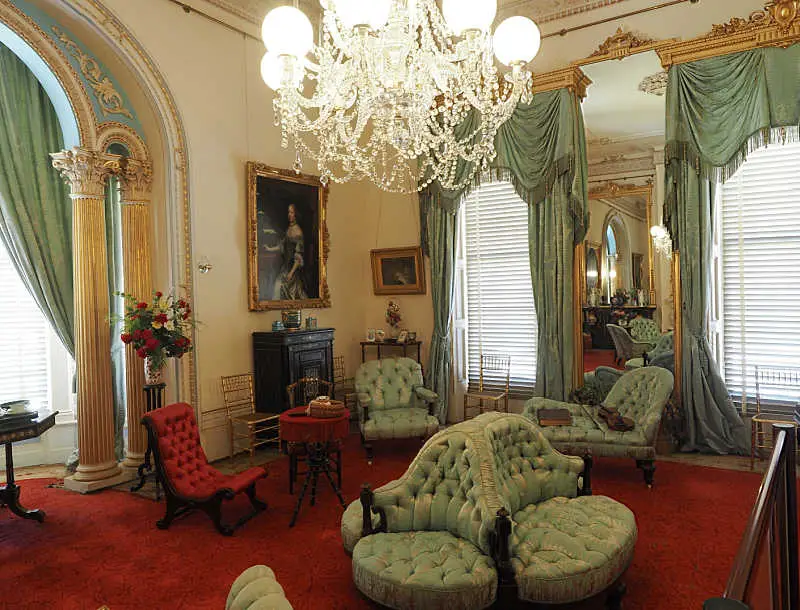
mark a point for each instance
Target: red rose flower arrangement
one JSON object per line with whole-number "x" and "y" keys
{"x": 159, "y": 329}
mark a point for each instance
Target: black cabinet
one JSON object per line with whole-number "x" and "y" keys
{"x": 595, "y": 320}
{"x": 281, "y": 358}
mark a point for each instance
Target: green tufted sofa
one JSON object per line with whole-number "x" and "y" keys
{"x": 640, "y": 394}
{"x": 392, "y": 401}
{"x": 441, "y": 535}
{"x": 257, "y": 589}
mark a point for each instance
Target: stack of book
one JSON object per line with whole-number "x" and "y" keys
{"x": 554, "y": 417}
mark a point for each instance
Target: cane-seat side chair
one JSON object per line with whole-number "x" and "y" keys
{"x": 248, "y": 428}
{"x": 301, "y": 392}
{"x": 494, "y": 381}
{"x": 345, "y": 387}
{"x": 780, "y": 379}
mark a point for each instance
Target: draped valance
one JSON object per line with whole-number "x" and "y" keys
{"x": 721, "y": 108}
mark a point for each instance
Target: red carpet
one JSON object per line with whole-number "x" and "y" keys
{"x": 105, "y": 548}
{"x": 592, "y": 358}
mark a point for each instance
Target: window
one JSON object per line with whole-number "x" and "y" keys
{"x": 33, "y": 363}
{"x": 500, "y": 312}
{"x": 759, "y": 265}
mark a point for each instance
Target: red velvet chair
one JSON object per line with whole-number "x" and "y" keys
{"x": 182, "y": 467}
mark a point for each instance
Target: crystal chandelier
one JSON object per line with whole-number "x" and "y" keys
{"x": 661, "y": 240}
{"x": 381, "y": 94}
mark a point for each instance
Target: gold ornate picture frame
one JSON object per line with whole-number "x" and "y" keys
{"x": 287, "y": 239}
{"x": 398, "y": 271}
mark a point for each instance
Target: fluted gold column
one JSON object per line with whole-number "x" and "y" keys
{"x": 86, "y": 172}
{"x": 137, "y": 179}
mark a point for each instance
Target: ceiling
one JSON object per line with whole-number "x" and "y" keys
{"x": 539, "y": 10}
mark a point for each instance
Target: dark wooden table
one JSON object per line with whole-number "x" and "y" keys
{"x": 11, "y": 432}
{"x": 383, "y": 344}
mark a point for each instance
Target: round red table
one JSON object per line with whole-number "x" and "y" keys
{"x": 316, "y": 433}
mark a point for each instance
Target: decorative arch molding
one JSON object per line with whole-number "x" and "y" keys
{"x": 119, "y": 133}
{"x": 174, "y": 163}
{"x": 615, "y": 220}
{"x": 39, "y": 52}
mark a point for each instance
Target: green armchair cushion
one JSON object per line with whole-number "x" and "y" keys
{"x": 644, "y": 330}
{"x": 257, "y": 589}
{"x": 389, "y": 383}
{"x": 565, "y": 550}
{"x": 399, "y": 423}
{"x": 433, "y": 570}
{"x": 634, "y": 363}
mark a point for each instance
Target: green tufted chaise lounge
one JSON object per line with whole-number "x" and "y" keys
{"x": 392, "y": 401}
{"x": 640, "y": 394}
{"x": 488, "y": 504}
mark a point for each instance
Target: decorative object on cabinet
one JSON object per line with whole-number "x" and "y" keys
{"x": 412, "y": 335}
{"x": 371, "y": 335}
{"x": 398, "y": 271}
{"x": 255, "y": 429}
{"x": 380, "y": 335}
{"x": 287, "y": 238}
{"x": 281, "y": 358}
{"x": 493, "y": 385}
{"x": 157, "y": 330}
{"x": 277, "y": 325}
{"x": 311, "y": 323}
{"x": 189, "y": 481}
{"x": 402, "y": 337}
{"x": 640, "y": 395}
{"x": 292, "y": 318}
{"x": 393, "y": 402}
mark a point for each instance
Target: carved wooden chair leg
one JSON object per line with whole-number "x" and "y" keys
{"x": 213, "y": 508}
{"x": 258, "y": 505}
{"x": 172, "y": 510}
{"x": 292, "y": 471}
{"x": 615, "y": 595}
{"x": 339, "y": 467}
{"x": 648, "y": 469}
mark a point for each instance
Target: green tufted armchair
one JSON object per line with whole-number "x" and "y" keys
{"x": 663, "y": 354}
{"x": 644, "y": 330}
{"x": 640, "y": 394}
{"x": 392, "y": 401}
{"x": 482, "y": 504}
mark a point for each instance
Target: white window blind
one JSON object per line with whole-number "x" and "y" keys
{"x": 501, "y": 316}
{"x": 24, "y": 345}
{"x": 760, "y": 264}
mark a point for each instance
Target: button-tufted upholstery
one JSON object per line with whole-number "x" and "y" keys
{"x": 568, "y": 549}
{"x": 392, "y": 402}
{"x": 183, "y": 459}
{"x": 640, "y": 394}
{"x": 440, "y": 515}
{"x": 257, "y": 589}
{"x": 644, "y": 330}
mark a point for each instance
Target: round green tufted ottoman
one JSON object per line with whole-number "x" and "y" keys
{"x": 430, "y": 570}
{"x": 566, "y": 550}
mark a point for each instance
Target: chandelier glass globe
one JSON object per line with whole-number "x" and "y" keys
{"x": 517, "y": 41}
{"x": 463, "y": 15}
{"x": 287, "y": 31}
{"x": 384, "y": 93}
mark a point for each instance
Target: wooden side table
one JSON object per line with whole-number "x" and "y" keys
{"x": 9, "y": 434}
{"x": 316, "y": 433}
{"x": 154, "y": 395}
{"x": 392, "y": 344}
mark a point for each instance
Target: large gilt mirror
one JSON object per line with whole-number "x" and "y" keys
{"x": 627, "y": 297}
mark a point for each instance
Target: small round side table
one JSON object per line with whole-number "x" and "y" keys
{"x": 315, "y": 433}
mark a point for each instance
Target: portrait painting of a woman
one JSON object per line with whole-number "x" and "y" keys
{"x": 287, "y": 266}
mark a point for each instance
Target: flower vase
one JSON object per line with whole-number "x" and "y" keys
{"x": 153, "y": 373}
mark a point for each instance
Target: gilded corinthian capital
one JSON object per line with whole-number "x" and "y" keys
{"x": 86, "y": 171}
{"x": 137, "y": 181}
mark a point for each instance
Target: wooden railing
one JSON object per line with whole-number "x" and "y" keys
{"x": 771, "y": 536}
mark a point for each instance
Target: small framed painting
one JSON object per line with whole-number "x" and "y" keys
{"x": 398, "y": 271}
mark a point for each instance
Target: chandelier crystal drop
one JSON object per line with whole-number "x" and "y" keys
{"x": 384, "y": 93}
{"x": 661, "y": 240}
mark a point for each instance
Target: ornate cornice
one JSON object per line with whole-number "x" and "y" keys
{"x": 571, "y": 78}
{"x": 85, "y": 171}
{"x": 622, "y": 44}
{"x": 611, "y": 189}
{"x": 776, "y": 25}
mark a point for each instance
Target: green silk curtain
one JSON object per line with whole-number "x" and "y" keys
{"x": 35, "y": 208}
{"x": 718, "y": 110}
{"x": 541, "y": 149}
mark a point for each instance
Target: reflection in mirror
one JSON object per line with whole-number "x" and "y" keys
{"x": 626, "y": 283}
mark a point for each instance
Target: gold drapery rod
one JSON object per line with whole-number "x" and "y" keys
{"x": 657, "y": 7}
{"x": 190, "y": 9}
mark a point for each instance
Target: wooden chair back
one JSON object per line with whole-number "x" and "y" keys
{"x": 303, "y": 390}
{"x": 495, "y": 363}
{"x": 238, "y": 395}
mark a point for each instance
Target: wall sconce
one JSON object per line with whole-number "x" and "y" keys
{"x": 204, "y": 265}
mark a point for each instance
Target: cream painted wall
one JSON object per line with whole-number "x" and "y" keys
{"x": 214, "y": 75}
